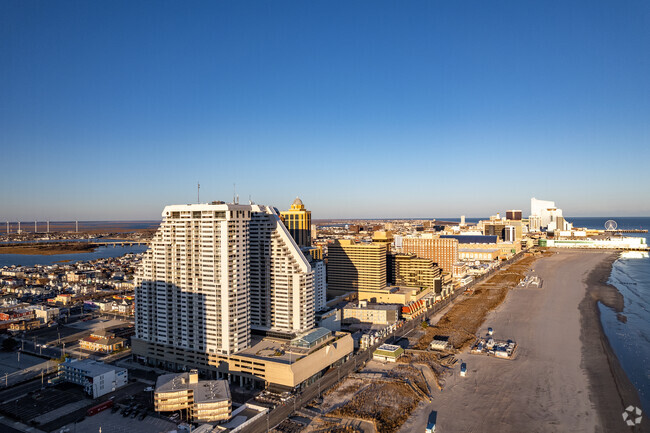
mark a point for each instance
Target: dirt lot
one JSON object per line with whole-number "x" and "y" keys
{"x": 389, "y": 404}
{"x": 462, "y": 322}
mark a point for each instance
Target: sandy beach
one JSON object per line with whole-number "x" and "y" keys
{"x": 565, "y": 378}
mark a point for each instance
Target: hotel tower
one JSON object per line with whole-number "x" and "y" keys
{"x": 298, "y": 221}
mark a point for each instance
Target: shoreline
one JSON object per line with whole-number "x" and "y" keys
{"x": 49, "y": 249}
{"x": 610, "y": 389}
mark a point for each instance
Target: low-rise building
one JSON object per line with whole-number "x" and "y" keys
{"x": 269, "y": 362}
{"x": 46, "y": 314}
{"x": 376, "y": 314}
{"x": 96, "y": 377}
{"x": 18, "y": 313}
{"x": 102, "y": 341}
{"x": 330, "y": 319}
{"x": 25, "y": 325}
{"x": 203, "y": 400}
{"x": 64, "y": 299}
{"x": 478, "y": 254}
{"x": 393, "y": 295}
{"x": 387, "y": 353}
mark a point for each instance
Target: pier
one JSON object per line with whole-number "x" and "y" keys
{"x": 627, "y": 231}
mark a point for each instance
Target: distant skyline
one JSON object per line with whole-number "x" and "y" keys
{"x": 112, "y": 110}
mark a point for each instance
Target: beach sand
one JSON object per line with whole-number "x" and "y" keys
{"x": 565, "y": 378}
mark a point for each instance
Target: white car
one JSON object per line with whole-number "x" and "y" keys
{"x": 149, "y": 388}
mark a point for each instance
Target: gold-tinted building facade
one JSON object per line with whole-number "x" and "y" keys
{"x": 298, "y": 220}
{"x": 354, "y": 266}
{"x": 412, "y": 271}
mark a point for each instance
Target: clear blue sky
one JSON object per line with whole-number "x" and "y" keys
{"x": 113, "y": 109}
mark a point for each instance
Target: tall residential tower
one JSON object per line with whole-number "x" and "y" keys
{"x": 211, "y": 272}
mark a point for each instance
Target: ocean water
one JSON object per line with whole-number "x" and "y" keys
{"x": 630, "y": 338}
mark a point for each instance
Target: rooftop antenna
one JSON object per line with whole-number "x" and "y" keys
{"x": 234, "y": 193}
{"x": 198, "y": 193}
{"x": 250, "y": 200}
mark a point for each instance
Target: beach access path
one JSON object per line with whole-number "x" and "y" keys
{"x": 546, "y": 387}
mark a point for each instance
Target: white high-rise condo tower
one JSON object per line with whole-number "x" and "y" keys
{"x": 212, "y": 271}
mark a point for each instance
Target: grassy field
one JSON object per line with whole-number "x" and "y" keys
{"x": 47, "y": 249}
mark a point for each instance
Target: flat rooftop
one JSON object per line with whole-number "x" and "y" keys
{"x": 90, "y": 367}
{"x": 392, "y": 289}
{"x": 205, "y": 391}
{"x": 276, "y": 350}
{"x": 372, "y": 306}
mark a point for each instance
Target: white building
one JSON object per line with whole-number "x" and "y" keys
{"x": 549, "y": 217}
{"x": 46, "y": 314}
{"x": 212, "y": 271}
{"x": 320, "y": 284}
{"x": 534, "y": 223}
{"x": 281, "y": 278}
{"x": 96, "y": 377}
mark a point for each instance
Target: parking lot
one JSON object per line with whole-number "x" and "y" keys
{"x": 13, "y": 371}
{"x": 9, "y": 363}
{"x": 36, "y": 404}
{"x": 114, "y": 422}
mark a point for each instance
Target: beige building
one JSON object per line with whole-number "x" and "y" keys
{"x": 102, "y": 341}
{"x": 383, "y": 237}
{"x": 394, "y": 295}
{"x": 270, "y": 362}
{"x": 202, "y": 400}
{"x": 442, "y": 251}
{"x": 376, "y": 314}
{"x": 355, "y": 266}
{"x": 480, "y": 254}
{"x": 412, "y": 271}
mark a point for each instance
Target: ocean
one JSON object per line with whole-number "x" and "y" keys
{"x": 629, "y": 339}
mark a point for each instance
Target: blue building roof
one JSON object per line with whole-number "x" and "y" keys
{"x": 472, "y": 239}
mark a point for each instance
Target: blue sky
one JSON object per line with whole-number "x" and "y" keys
{"x": 111, "y": 110}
